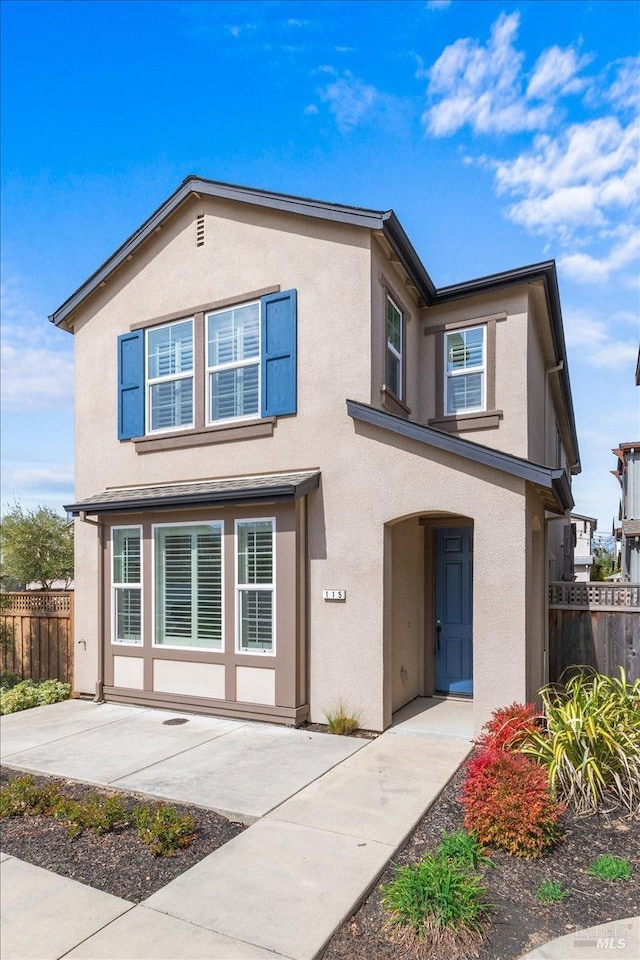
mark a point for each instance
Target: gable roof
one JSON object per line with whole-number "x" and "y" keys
{"x": 384, "y": 222}
{"x": 552, "y": 483}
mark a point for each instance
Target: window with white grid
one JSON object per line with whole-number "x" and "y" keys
{"x": 255, "y": 586}
{"x": 465, "y": 380}
{"x": 169, "y": 366}
{"x": 126, "y": 579}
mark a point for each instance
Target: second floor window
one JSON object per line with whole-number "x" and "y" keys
{"x": 233, "y": 363}
{"x": 465, "y": 370}
{"x": 170, "y": 376}
{"x": 395, "y": 347}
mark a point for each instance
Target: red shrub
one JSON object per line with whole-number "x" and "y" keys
{"x": 507, "y": 803}
{"x": 508, "y": 726}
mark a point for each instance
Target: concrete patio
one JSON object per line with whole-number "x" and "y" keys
{"x": 328, "y": 813}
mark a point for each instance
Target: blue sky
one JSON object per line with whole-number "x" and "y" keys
{"x": 501, "y": 134}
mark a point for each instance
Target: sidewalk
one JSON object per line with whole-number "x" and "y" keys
{"x": 281, "y": 888}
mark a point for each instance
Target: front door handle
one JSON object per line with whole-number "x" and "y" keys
{"x": 438, "y": 632}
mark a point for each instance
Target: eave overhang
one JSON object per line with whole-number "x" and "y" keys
{"x": 271, "y": 488}
{"x": 553, "y": 484}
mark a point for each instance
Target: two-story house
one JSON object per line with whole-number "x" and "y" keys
{"x": 582, "y": 531}
{"x": 304, "y": 473}
{"x": 627, "y": 473}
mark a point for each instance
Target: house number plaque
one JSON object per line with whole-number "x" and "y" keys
{"x": 334, "y": 594}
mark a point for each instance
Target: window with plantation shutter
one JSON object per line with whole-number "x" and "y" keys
{"x": 395, "y": 349}
{"x": 188, "y": 585}
{"x": 127, "y": 585}
{"x": 255, "y": 586}
{"x": 465, "y": 360}
{"x": 169, "y": 361}
{"x": 233, "y": 363}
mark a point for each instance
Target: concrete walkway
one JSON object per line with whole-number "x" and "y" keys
{"x": 332, "y": 811}
{"x": 327, "y": 812}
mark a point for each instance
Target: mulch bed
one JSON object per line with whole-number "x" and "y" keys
{"x": 520, "y": 921}
{"x": 118, "y": 863}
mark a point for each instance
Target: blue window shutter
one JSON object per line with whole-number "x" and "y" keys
{"x": 131, "y": 385}
{"x": 278, "y": 357}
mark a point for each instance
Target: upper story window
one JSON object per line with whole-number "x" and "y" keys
{"x": 183, "y": 378}
{"x": 395, "y": 349}
{"x": 169, "y": 355}
{"x": 233, "y": 363}
{"x": 465, "y": 387}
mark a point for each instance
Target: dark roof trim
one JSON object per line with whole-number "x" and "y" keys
{"x": 379, "y": 220}
{"x": 196, "y": 186}
{"x": 555, "y": 480}
{"x": 129, "y": 504}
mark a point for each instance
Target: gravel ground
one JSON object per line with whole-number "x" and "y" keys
{"x": 520, "y": 921}
{"x": 118, "y": 862}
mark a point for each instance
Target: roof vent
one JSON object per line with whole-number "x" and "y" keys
{"x": 200, "y": 230}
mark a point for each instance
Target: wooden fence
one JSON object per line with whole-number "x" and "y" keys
{"x": 36, "y": 635}
{"x": 597, "y": 624}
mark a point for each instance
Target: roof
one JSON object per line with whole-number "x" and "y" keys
{"x": 631, "y": 528}
{"x": 552, "y": 482}
{"x": 266, "y": 489}
{"x": 581, "y": 516}
{"x": 383, "y": 221}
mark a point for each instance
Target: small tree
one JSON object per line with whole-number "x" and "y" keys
{"x": 36, "y": 546}
{"x": 603, "y": 564}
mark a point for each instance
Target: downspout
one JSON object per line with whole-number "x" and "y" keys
{"x": 99, "y": 694}
{"x": 545, "y": 652}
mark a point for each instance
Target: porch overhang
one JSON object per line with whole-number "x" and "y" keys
{"x": 553, "y": 484}
{"x": 268, "y": 488}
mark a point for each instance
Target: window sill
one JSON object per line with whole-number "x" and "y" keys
{"x": 458, "y": 423}
{"x": 393, "y": 405}
{"x": 220, "y": 433}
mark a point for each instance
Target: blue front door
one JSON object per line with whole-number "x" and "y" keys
{"x": 454, "y": 610}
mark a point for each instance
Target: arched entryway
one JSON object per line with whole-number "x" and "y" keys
{"x": 429, "y": 607}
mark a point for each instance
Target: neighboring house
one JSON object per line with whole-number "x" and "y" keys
{"x": 583, "y": 529}
{"x": 306, "y": 474}
{"x": 628, "y": 474}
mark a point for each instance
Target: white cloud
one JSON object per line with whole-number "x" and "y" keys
{"x": 601, "y": 343}
{"x": 31, "y": 485}
{"x": 586, "y": 268}
{"x": 36, "y": 361}
{"x": 350, "y": 100}
{"x": 482, "y": 86}
{"x": 438, "y": 4}
{"x": 583, "y": 176}
{"x": 310, "y": 109}
{"x": 556, "y": 73}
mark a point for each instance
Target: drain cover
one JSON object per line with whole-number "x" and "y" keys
{"x": 175, "y": 721}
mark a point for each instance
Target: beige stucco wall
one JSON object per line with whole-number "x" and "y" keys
{"x": 370, "y": 478}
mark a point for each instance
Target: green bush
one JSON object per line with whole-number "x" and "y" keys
{"x": 27, "y": 693}
{"x": 8, "y": 680}
{"x": 590, "y": 741}
{"x": 463, "y": 849}
{"x": 550, "y": 891}
{"x": 102, "y": 814}
{"x": 608, "y": 867}
{"x": 438, "y": 903}
{"x": 163, "y": 829}
{"x": 21, "y": 797}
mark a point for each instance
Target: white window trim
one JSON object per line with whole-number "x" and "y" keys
{"x": 234, "y": 365}
{"x": 259, "y": 586}
{"x": 392, "y": 350}
{"x": 449, "y": 374}
{"x": 170, "y": 378}
{"x": 190, "y": 647}
{"x": 119, "y": 586}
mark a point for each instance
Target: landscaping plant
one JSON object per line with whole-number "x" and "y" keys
{"x": 507, "y": 803}
{"x": 590, "y": 741}
{"x": 436, "y": 906}
{"x": 550, "y": 891}
{"x": 509, "y": 726}
{"x": 163, "y": 829}
{"x": 608, "y": 867}
{"x": 341, "y": 720}
{"x": 463, "y": 849}
{"x": 27, "y": 694}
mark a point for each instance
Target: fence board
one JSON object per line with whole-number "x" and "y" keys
{"x": 594, "y": 624}
{"x": 37, "y": 635}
